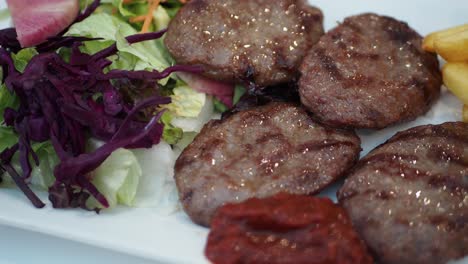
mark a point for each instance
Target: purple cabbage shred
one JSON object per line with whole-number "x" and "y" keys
{"x": 8, "y": 40}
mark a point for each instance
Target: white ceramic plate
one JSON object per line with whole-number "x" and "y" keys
{"x": 174, "y": 238}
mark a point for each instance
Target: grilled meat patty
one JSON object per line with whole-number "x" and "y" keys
{"x": 257, "y": 153}
{"x": 408, "y": 199}
{"x": 262, "y": 41}
{"x": 369, "y": 72}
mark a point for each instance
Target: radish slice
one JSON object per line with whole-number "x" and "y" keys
{"x": 223, "y": 91}
{"x": 37, "y": 20}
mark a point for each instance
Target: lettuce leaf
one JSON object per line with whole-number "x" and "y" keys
{"x": 171, "y": 134}
{"x": 157, "y": 187}
{"x": 184, "y": 141}
{"x": 106, "y": 30}
{"x": 186, "y": 102}
{"x": 43, "y": 175}
{"x": 138, "y": 178}
{"x": 135, "y": 8}
{"x": 150, "y": 54}
{"x": 239, "y": 91}
{"x": 220, "y": 107}
{"x": 161, "y": 18}
{"x": 118, "y": 178}
{"x": 7, "y": 100}
{"x": 22, "y": 58}
{"x": 195, "y": 124}
{"x": 7, "y": 138}
{"x": 5, "y": 14}
{"x": 146, "y": 55}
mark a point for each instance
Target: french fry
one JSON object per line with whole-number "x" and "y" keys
{"x": 455, "y": 75}
{"x": 428, "y": 43}
{"x": 465, "y": 113}
{"x": 453, "y": 47}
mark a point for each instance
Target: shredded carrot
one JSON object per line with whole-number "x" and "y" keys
{"x": 148, "y": 17}
{"x": 137, "y": 19}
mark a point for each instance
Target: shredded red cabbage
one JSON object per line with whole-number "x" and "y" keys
{"x": 67, "y": 103}
{"x": 8, "y": 39}
{"x": 87, "y": 12}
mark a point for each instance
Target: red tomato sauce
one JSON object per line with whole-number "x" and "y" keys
{"x": 284, "y": 228}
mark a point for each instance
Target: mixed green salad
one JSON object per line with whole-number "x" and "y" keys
{"x": 97, "y": 115}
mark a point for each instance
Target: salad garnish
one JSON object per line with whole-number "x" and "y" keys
{"x": 56, "y": 96}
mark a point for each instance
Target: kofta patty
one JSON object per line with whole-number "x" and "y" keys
{"x": 369, "y": 72}
{"x": 408, "y": 199}
{"x": 257, "y": 153}
{"x": 262, "y": 41}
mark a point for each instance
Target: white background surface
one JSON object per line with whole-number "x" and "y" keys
{"x": 20, "y": 246}
{"x": 172, "y": 238}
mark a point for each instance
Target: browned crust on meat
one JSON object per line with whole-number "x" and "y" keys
{"x": 235, "y": 41}
{"x": 257, "y": 153}
{"x": 369, "y": 72}
{"x": 408, "y": 198}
